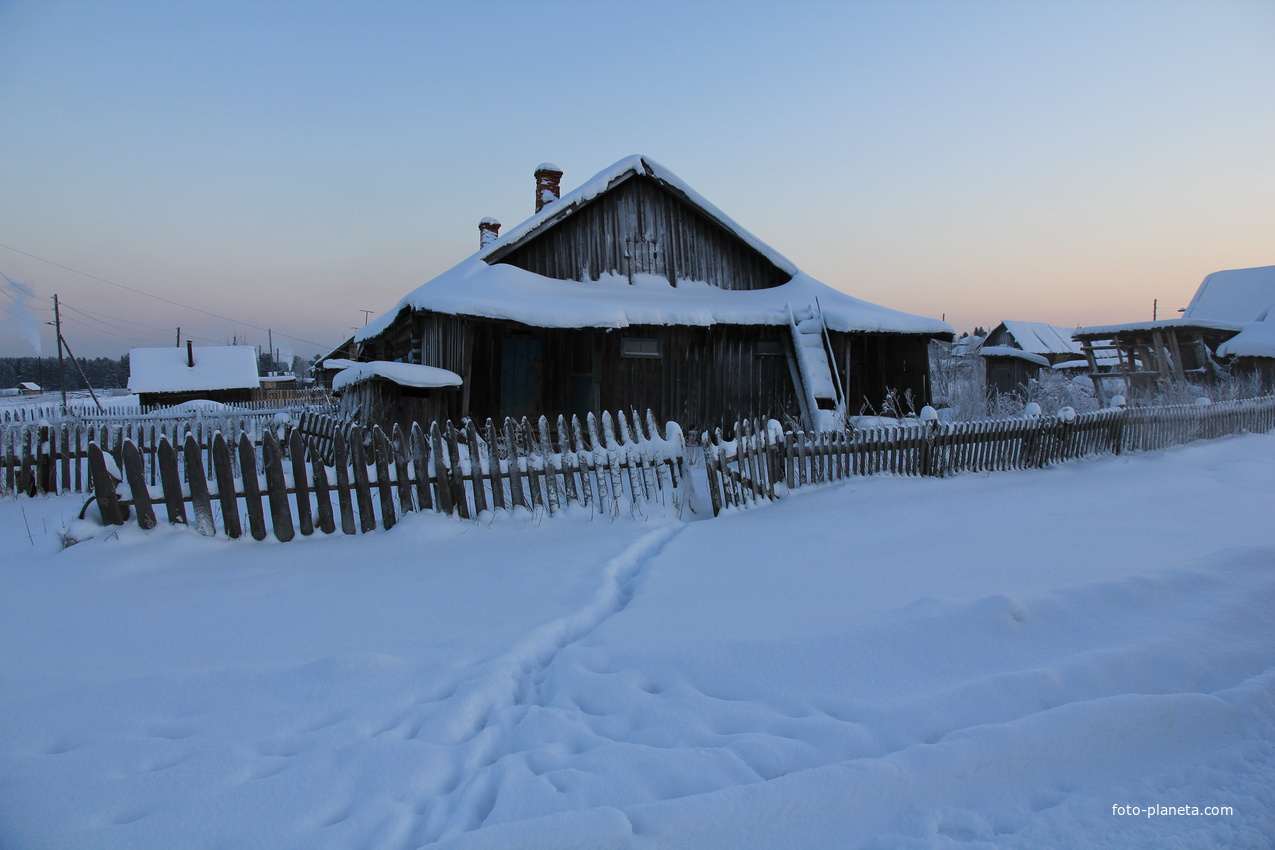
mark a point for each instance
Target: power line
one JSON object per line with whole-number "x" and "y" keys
{"x": 156, "y": 297}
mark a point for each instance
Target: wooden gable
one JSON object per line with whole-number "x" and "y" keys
{"x": 642, "y": 225}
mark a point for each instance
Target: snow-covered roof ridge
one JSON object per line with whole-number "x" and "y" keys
{"x": 476, "y": 287}
{"x": 217, "y": 367}
{"x": 1042, "y": 338}
{"x": 630, "y": 166}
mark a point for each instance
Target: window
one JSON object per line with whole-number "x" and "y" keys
{"x": 635, "y": 347}
{"x": 768, "y": 348}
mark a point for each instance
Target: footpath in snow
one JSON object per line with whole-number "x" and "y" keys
{"x": 1019, "y": 659}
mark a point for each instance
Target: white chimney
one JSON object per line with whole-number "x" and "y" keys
{"x": 548, "y": 184}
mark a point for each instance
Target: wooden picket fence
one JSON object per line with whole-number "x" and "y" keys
{"x": 377, "y": 478}
{"x": 761, "y": 462}
{"x": 53, "y": 457}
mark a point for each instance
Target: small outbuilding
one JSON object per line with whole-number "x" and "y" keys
{"x": 1016, "y": 351}
{"x": 29, "y": 388}
{"x": 169, "y": 376}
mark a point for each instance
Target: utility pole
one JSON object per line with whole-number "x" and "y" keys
{"x": 57, "y": 323}
{"x": 179, "y": 336}
{"x": 270, "y": 343}
{"x": 1155, "y": 309}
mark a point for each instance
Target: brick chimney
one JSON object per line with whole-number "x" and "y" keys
{"x": 548, "y": 184}
{"x": 488, "y": 232}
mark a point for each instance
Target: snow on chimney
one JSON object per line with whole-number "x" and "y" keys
{"x": 488, "y": 232}
{"x": 190, "y": 354}
{"x": 548, "y": 184}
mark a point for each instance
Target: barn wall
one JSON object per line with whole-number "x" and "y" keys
{"x": 640, "y": 227}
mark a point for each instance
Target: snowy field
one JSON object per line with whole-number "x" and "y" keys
{"x": 994, "y": 661}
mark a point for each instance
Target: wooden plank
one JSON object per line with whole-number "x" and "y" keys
{"x": 517, "y": 495}
{"x": 251, "y": 487}
{"x": 420, "y": 465}
{"x": 493, "y": 467}
{"x": 569, "y": 462}
{"x": 382, "y": 453}
{"x": 476, "y": 479}
{"x": 584, "y": 459}
{"x": 170, "y": 479}
{"x": 197, "y": 481}
{"x": 362, "y": 487}
{"x": 456, "y": 475}
{"x": 135, "y": 474}
{"x": 442, "y": 475}
{"x": 341, "y": 461}
{"x": 533, "y": 459}
{"x": 607, "y": 502}
{"x": 300, "y": 482}
{"x": 544, "y": 448}
{"x": 223, "y": 470}
{"x": 104, "y": 492}
{"x": 322, "y": 491}
{"x": 401, "y": 473}
{"x": 277, "y": 488}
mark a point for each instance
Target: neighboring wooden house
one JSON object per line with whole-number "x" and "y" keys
{"x": 1229, "y": 327}
{"x": 327, "y": 366}
{"x": 29, "y": 388}
{"x": 1015, "y": 352}
{"x": 168, "y": 376}
{"x": 635, "y": 292}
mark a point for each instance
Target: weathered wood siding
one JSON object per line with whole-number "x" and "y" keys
{"x": 874, "y": 365}
{"x": 642, "y": 227}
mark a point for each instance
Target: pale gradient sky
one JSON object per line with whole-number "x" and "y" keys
{"x": 289, "y": 164}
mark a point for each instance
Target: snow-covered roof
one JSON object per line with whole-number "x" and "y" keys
{"x": 1226, "y": 301}
{"x": 1257, "y": 339}
{"x": 1236, "y": 295}
{"x": 337, "y": 363}
{"x": 403, "y": 374}
{"x": 1010, "y": 351}
{"x": 1040, "y": 338}
{"x": 479, "y": 286}
{"x": 217, "y": 367}
{"x": 30, "y": 386}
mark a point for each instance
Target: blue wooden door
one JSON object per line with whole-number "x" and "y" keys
{"x": 520, "y": 376}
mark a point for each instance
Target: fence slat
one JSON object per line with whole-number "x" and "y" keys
{"x": 341, "y": 460}
{"x": 362, "y": 487}
{"x": 223, "y": 469}
{"x": 277, "y": 489}
{"x": 197, "y": 481}
{"x": 251, "y": 487}
{"x": 381, "y": 453}
{"x": 300, "y": 482}
{"x": 135, "y": 474}
{"x": 420, "y": 465}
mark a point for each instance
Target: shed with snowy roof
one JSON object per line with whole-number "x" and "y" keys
{"x": 1015, "y": 352}
{"x": 633, "y": 291}
{"x": 1228, "y": 328}
{"x": 168, "y": 376}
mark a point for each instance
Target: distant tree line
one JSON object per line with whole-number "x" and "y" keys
{"x": 103, "y": 372}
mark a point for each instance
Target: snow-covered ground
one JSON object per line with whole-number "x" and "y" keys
{"x": 977, "y": 661}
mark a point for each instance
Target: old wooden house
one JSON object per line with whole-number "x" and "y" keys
{"x": 633, "y": 291}
{"x": 1228, "y": 328}
{"x": 1015, "y": 352}
{"x": 167, "y": 376}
